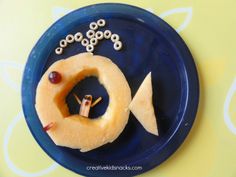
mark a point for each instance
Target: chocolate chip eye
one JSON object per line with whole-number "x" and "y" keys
{"x": 54, "y": 77}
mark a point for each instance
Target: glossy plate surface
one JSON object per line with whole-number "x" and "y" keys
{"x": 149, "y": 44}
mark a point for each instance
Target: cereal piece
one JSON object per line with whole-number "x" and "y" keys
{"x": 93, "y": 26}
{"x": 58, "y": 50}
{"x": 115, "y": 37}
{"x": 107, "y": 34}
{"x": 85, "y": 42}
{"x": 90, "y": 34}
{"x": 90, "y": 48}
{"x": 78, "y": 37}
{"x": 99, "y": 35}
{"x": 94, "y": 41}
{"x": 70, "y": 38}
{"x": 117, "y": 45}
{"x": 63, "y": 43}
{"x": 101, "y": 22}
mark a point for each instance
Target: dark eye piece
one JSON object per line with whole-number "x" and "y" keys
{"x": 54, "y": 77}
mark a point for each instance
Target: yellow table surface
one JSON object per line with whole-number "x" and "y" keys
{"x": 208, "y": 28}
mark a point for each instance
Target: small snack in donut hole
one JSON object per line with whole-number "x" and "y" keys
{"x": 86, "y": 104}
{"x": 76, "y": 131}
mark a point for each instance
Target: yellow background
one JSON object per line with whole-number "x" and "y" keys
{"x": 210, "y": 33}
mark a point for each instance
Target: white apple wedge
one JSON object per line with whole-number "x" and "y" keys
{"x": 142, "y": 107}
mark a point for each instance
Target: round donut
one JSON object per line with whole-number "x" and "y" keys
{"x": 75, "y": 131}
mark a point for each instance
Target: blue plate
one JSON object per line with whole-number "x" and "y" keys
{"x": 149, "y": 44}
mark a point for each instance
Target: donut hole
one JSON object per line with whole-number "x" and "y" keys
{"x": 74, "y": 131}
{"x": 88, "y": 86}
